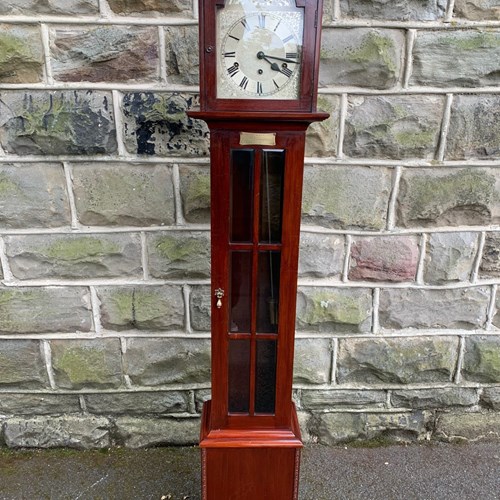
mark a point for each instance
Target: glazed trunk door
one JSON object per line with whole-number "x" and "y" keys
{"x": 256, "y": 202}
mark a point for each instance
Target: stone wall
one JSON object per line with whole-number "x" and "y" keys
{"x": 104, "y": 225}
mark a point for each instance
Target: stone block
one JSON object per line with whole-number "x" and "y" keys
{"x": 68, "y": 431}
{"x": 400, "y": 10}
{"x": 21, "y": 54}
{"x": 152, "y": 7}
{"x": 321, "y": 255}
{"x": 86, "y": 364}
{"x": 142, "y": 307}
{"x": 361, "y": 57}
{"x": 379, "y": 258}
{"x": 490, "y": 261}
{"x": 182, "y": 55}
{"x": 33, "y": 195}
{"x": 450, "y": 257}
{"x": 393, "y": 127}
{"x": 491, "y": 397}
{"x": 105, "y": 54}
{"x": 435, "y": 398}
{"x": 402, "y": 360}
{"x": 477, "y": 10}
{"x": 76, "y": 122}
{"x": 137, "y": 403}
{"x": 474, "y": 127}
{"x": 458, "y": 58}
{"x": 200, "y": 303}
{"x": 434, "y": 197}
{"x": 159, "y": 361}
{"x": 200, "y": 397}
{"x": 313, "y": 360}
{"x": 322, "y": 137}
{"x": 124, "y": 194}
{"x": 39, "y": 404}
{"x": 346, "y": 197}
{"x": 324, "y": 399}
{"x": 336, "y": 428}
{"x": 179, "y": 254}
{"x": 74, "y": 256}
{"x": 22, "y": 365}
{"x": 322, "y": 309}
{"x": 195, "y": 193}
{"x": 464, "y": 308}
{"x": 158, "y": 124}
{"x": 482, "y": 359}
{"x": 58, "y": 7}
{"x": 142, "y": 432}
{"x": 44, "y": 310}
{"x": 460, "y": 427}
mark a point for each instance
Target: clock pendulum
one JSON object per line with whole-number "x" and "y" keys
{"x": 259, "y": 64}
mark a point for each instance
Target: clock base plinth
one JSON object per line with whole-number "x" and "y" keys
{"x": 243, "y": 464}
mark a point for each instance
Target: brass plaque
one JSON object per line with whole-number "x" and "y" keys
{"x": 257, "y": 139}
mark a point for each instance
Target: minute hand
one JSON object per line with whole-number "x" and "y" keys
{"x": 280, "y": 59}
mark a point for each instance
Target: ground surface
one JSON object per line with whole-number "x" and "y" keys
{"x": 420, "y": 472}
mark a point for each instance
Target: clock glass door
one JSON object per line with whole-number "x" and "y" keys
{"x": 255, "y": 249}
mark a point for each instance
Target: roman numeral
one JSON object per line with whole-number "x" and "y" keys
{"x": 277, "y": 26}
{"x": 244, "y": 82}
{"x": 287, "y": 72}
{"x": 234, "y": 38}
{"x": 230, "y": 54}
{"x": 233, "y": 70}
{"x": 287, "y": 39}
{"x": 262, "y": 20}
{"x": 259, "y": 88}
{"x": 292, "y": 55}
{"x": 245, "y": 24}
{"x": 275, "y": 84}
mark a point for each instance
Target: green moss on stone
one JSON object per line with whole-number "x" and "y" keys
{"x": 374, "y": 47}
{"x": 167, "y": 108}
{"x": 476, "y": 41}
{"x": 415, "y": 139}
{"x": 199, "y": 189}
{"x": 490, "y": 359}
{"x": 13, "y": 48}
{"x": 83, "y": 365}
{"x": 77, "y": 249}
{"x": 174, "y": 249}
{"x": 52, "y": 119}
{"x": 456, "y": 189}
{"x": 7, "y": 187}
{"x": 326, "y": 307}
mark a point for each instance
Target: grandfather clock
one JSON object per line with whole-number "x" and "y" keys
{"x": 258, "y": 72}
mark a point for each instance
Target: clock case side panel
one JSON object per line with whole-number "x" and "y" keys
{"x": 313, "y": 11}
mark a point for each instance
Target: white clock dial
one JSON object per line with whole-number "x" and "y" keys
{"x": 260, "y": 57}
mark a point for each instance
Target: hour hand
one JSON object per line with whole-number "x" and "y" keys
{"x": 274, "y": 66}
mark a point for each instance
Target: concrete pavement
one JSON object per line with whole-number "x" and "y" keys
{"x": 427, "y": 471}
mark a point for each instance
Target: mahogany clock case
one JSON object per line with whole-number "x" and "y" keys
{"x": 307, "y": 58}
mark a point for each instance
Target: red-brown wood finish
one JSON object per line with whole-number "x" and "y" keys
{"x": 250, "y": 456}
{"x": 313, "y": 10}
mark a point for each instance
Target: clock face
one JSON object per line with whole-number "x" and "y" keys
{"x": 259, "y": 55}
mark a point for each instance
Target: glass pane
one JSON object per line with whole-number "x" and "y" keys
{"x": 241, "y": 296}
{"x": 268, "y": 292}
{"x": 242, "y": 163}
{"x": 271, "y": 196}
{"x": 239, "y": 376}
{"x": 265, "y": 376}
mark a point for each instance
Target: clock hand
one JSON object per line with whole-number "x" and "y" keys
{"x": 265, "y": 56}
{"x": 274, "y": 66}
